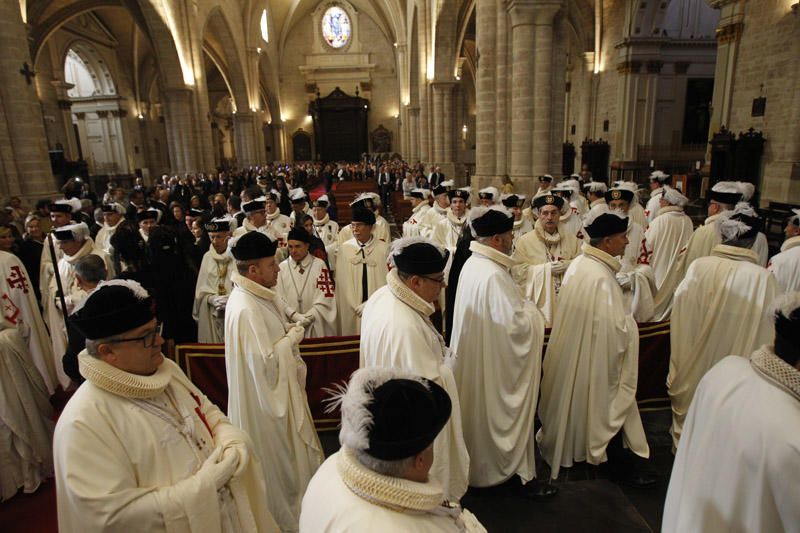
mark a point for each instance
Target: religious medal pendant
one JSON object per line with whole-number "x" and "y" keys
{"x": 302, "y": 270}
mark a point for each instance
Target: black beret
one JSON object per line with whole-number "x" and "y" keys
{"x": 493, "y": 222}
{"x": 730, "y": 198}
{"x": 458, "y": 193}
{"x": 112, "y": 310}
{"x": 565, "y": 193}
{"x": 513, "y": 201}
{"x": 421, "y": 258}
{"x": 607, "y": 224}
{"x": 546, "y": 178}
{"x": 319, "y": 203}
{"x": 253, "y": 245}
{"x": 298, "y": 233}
{"x": 548, "y": 199}
{"x": 217, "y": 226}
{"x": 60, "y": 208}
{"x": 364, "y": 203}
{"x": 439, "y": 189}
{"x": 64, "y": 235}
{"x": 406, "y": 417}
{"x": 147, "y": 214}
{"x": 417, "y": 194}
{"x": 486, "y": 195}
{"x": 619, "y": 194}
{"x": 195, "y": 212}
{"x": 253, "y": 205}
{"x": 364, "y": 215}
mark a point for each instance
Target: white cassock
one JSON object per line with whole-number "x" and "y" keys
{"x": 579, "y": 205}
{"x": 720, "y": 309}
{"x": 636, "y": 213}
{"x": 214, "y": 279}
{"x": 103, "y": 238}
{"x": 21, "y": 310}
{"x": 278, "y": 226}
{"x": 535, "y": 254}
{"x": 521, "y": 227}
{"x": 73, "y": 295}
{"x": 590, "y": 368}
{"x": 26, "y": 427}
{"x": 396, "y": 332}
{"x": 707, "y": 237}
{"x": 785, "y": 266}
{"x": 653, "y": 204}
{"x": 667, "y": 235}
{"x": 307, "y": 287}
{"x": 128, "y": 449}
{"x": 349, "y": 273}
{"x": 346, "y": 496}
{"x": 739, "y": 460}
{"x": 328, "y": 232}
{"x": 46, "y": 270}
{"x": 498, "y": 336}
{"x": 639, "y": 297}
{"x": 413, "y": 226}
{"x": 380, "y": 231}
{"x": 267, "y": 397}
{"x": 429, "y": 220}
{"x": 447, "y": 232}
{"x": 573, "y": 223}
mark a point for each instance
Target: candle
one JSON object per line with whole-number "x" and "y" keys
{"x": 697, "y": 165}
{"x": 652, "y": 163}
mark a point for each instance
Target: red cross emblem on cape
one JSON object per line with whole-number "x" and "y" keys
{"x": 325, "y": 283}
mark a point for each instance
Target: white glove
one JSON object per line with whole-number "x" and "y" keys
{"x": 218, "y": 302}
{"x": 360, "y": 309}
{"x": 219, "y": 468}
{"x": 239, "y": 450}
{"x": 304, "y": 320}
{"x": 624, "y": 281}
{"x": 296, "y": 334}
{"x": 558, "y": 267}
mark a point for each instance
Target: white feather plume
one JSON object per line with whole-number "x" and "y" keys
{"x": 731, "y": 228}
{"x": 747, "y": 190}
{"x": 785, "y": 304}
{"x": 674, "y": 197}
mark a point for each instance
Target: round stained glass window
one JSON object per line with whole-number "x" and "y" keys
{"x": 336, "y": 28}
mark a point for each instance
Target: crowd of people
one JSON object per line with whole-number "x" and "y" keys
{"x": 451, "y": 310}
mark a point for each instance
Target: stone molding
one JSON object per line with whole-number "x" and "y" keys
{"x": 730, "y": 32}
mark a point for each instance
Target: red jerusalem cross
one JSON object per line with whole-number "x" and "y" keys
{"x": 17, "y": 279}
{"x": 325, "y": 283}
{"x": 10, "y": 311}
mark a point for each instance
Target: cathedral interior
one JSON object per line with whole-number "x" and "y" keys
{"x": 482, "y": 88}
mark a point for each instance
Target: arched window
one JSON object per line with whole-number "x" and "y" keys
{"x": 264, "y": 26}
{"x": 336, "y": 27}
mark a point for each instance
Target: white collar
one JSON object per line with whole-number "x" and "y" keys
{"x": 790, "y": 243}
{"x": 490, "y": 253}
{"x": 252, "y": 287}
{"x": 734, "y": 253}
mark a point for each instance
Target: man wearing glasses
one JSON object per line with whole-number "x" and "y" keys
{"x": 396, "y": 332}
{"x": 139, "y": 447}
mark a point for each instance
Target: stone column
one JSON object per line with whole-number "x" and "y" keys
{"x": 179, "y": 114}
{"x": 437, "y": 143}
{"x": 413, "y": 134}
{"x": 449, "y": 131}
{"x": 23, "y": 141}
{"x": 523, "y": 53}
{"x": 244, "y": 137}
{"x": 486, "y": 112}
{"x": 502, "y": 80}
{"x": 65, "y": 108}
{"x": 543, "y": 76}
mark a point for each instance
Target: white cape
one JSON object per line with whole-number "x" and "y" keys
{"x": 267, "y": 397}
{"x": 590, "y": 368}
{"x": 311, "y": 292}
{"x": 214, "y": 279}
{"x": 349, "y": 266}
{"x": 785, "y": 266}
{"x": 498, "y": 337}
{"x": 397, "y": 333}
{"x": 720, "y": 309}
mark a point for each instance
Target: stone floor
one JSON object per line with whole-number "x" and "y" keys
{"x": 587, "y": 501}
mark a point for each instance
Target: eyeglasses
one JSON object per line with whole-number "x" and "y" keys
{"x": 440, "y": 281}
{"x": 148, "y": 339}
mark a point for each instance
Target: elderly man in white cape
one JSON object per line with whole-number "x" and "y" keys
{"x": 75, "y": 243}
{"x": 306, "y": 285}
{"x": 61, "y": 213}
{"x": 498, "y": 336}
{"x": 21, "y": 310}
{"x": 138, "y": 446}
{"x": 588, "y": 404}
{"x": 378, "y": 481}
{"x": 113, "y": 216}
{"x": 488, "y": 196}
{"x": 25, "y": 417}
{"x": 570, "y": 219}
{"x": 543, "y": 255}
{"x": 420, "y": 205}
{"x": 665, "y": 240}
{"x": 396, "y": 332}
{"x": 324, "y": 228}
{"x": 739, "y": 459}
{"x": 438, "y": 210}
{"x": 719, "y": 309}
{"x": 267, "y": 377}
{"x": 214, "y": 283}
{"x": 657, "y": 181}
{"x": 380, "y": 230}
{"x": 361, "y": 270}
{"x": 300, "y": 207}
{"x": 785, "y": 266}
{"x": 522, "y": 225}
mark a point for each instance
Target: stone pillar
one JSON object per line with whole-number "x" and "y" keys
{"x": 244, "y": 137}
{"x": 84, "y": 141}
{"x": 65, "y": 109}
{"x": 23, "y": 141}
{"x": 543, "y": 76}
{"x": 523, "y": 55}
{"x": 450, "y": 129}
{"x": 502, "y": 93}
{"x": 413, "y": 134}
{"x": 486, "y": 112}
{"x": 179, "y": 114}
{"x": 437, "y": 143}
